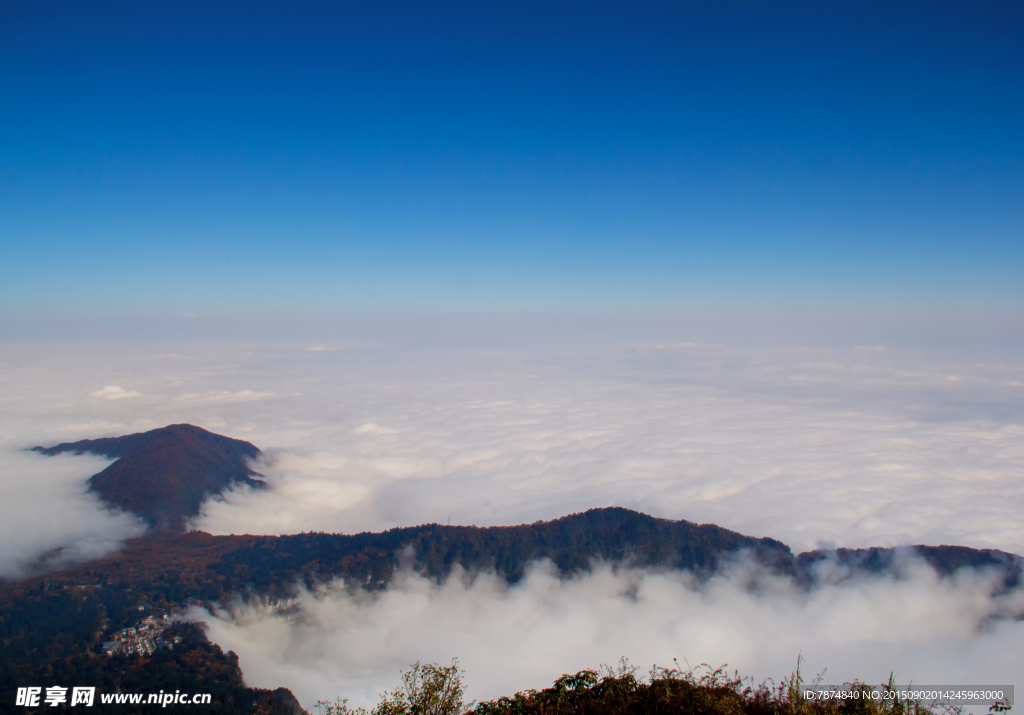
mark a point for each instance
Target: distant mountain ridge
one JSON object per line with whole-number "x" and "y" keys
{"x": 572, "y": 543}
{"x": 946, "y": 560}
{"x": 165, "y": 475}
{"x": 174, "y": 567}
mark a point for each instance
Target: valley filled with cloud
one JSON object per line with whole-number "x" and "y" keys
{"x": 913, "y": 625}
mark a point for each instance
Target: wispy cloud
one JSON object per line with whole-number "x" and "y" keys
{"x": 113, "y": 392}
{"x": 221, "y": 397}
{"x": 47, "y": 518}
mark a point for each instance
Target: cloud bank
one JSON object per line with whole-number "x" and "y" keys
{"x": 47, "y": 519}
{"x": 340, "y": 643}
{"x": 114, "y": 392}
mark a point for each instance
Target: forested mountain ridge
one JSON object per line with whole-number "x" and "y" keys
{"x": 946, "y": 560}
{"x": 572, "y": 543}
{"x": 171, "y": 567}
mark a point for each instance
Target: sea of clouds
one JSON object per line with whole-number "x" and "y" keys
{"x": 858, "y": 445}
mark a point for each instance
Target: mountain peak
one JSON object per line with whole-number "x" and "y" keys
{"x": 165, "y": 475}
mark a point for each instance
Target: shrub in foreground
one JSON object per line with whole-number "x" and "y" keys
{"x": 435, "y": 690}
{"x": 426, "y": 689}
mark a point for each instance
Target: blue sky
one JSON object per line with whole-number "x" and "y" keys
{"x": 240, "y": 158}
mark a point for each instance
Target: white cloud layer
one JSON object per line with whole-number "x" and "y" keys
{"x": 113, "y": 392}
{"x": 341, "y": 644}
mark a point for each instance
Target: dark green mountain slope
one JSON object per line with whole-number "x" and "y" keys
{"x": 944, "y": 559}
{"x": 572, "y": 543}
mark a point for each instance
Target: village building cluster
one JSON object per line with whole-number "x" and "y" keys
{"x": 144, "y": 638}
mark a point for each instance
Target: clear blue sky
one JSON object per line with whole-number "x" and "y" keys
{"x": 233, "y": 158}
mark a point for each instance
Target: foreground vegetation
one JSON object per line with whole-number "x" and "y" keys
{"x": 429, "y": 689}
